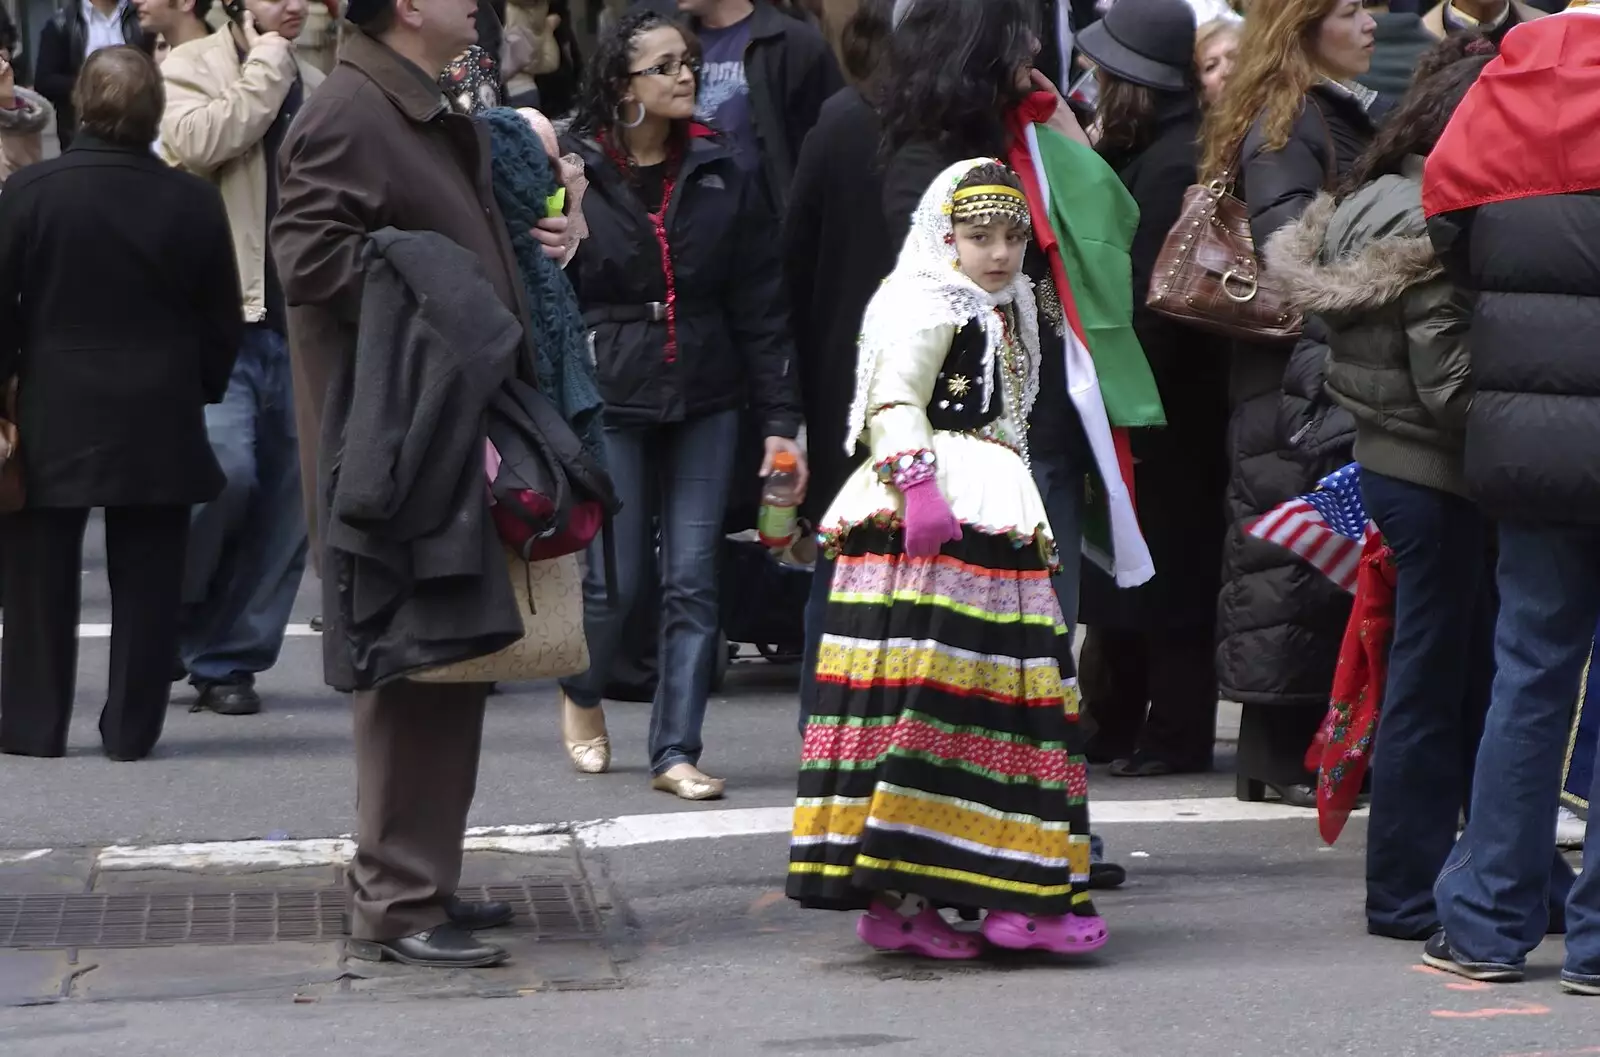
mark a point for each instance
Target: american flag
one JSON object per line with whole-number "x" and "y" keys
{"x": 1327, "y": 527}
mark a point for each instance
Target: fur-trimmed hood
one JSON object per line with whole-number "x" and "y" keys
{"x": 32, "y": 116}
{"x": 1359, "y": 254}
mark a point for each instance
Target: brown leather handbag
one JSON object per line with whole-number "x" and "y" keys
{"x": 12, "y": 493}
{"x": 1208, "y": 273}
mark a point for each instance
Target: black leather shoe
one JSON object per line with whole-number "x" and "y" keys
{"x": 1104, "y": 876}
{"x": 1296, "y": 795}
{"x": 316, "y": 624}
{"x": 446, "y": 947}
{"x": 228, "y": 699}
{"x": 476, "y": 916}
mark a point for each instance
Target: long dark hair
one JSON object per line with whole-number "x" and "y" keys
{"x": 1416, "y": 124}
{"x": 864, "y": 47}
{"x": 605, "y": 80}
{"x": 952, "y": 73}
{"x": 1127, "y": 116}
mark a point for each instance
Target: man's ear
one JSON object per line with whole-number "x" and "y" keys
{"x": 409, "y": 12}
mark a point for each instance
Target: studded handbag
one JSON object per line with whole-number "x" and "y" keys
{"x": 1208, "y": 273}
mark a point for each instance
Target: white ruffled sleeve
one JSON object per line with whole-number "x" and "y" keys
{"x": 902, "y": 385}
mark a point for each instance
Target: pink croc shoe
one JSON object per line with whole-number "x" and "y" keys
{"x": 1063, "y": 934}
{"x": 926, "y": 934}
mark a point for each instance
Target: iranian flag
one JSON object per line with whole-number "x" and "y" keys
{"x": 1084, "y": 221}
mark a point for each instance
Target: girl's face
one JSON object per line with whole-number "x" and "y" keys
{"x": 990, "y": 254}
{"x": 1216, "y": 63}
{"x": 1342, "y": 42}
{"x": 662, "y": 76}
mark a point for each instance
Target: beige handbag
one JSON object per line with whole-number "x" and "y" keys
{"x": 550, "y": 596}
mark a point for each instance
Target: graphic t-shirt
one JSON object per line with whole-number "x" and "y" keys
{"x": 724, "y": 93}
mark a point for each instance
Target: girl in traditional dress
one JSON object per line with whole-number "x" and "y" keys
{"x": 941, "y": 765}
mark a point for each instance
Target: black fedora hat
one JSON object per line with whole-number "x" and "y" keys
{"x": 1148, "y": 42}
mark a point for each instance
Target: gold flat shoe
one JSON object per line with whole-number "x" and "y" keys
{"x": 590, "y": 755}
{"x": 690, "y": 786}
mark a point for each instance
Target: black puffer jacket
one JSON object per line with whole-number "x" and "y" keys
{"x": 1533, "y": 431}
{"x": 1280, "y": 621}
{"x": 727, "y": 288}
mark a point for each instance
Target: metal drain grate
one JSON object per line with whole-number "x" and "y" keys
{"x": 552, "y": 909}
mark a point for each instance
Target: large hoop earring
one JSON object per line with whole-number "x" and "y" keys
{"x": 636, "y": 122}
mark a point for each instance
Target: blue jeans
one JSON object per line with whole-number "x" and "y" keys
{"x": 247, "y": 547}
{"x": 1441, "y": 667}
{"x": 1496, "y": 889}
{"x": 692, "y": 465}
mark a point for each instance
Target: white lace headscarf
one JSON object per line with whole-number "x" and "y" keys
{"x": 928, "y": 289}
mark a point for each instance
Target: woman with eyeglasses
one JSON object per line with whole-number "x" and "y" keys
{"x": 680, "y": 281}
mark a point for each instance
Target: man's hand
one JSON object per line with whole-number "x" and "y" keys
{"x": 552, "y": 235}
{"x": 250, "y": 36}
{"x": 1063, "y": 120}
{"x": 802, "y": 469}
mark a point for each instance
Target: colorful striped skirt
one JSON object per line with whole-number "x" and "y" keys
{"x": 942, "y": 758}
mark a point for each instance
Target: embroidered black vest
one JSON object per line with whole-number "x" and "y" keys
{"x": 957, "y": 404}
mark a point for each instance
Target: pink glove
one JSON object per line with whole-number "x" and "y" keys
{"x": 929, "y": 522}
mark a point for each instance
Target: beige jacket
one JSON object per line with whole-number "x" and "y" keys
{"x": 218, "y": 112}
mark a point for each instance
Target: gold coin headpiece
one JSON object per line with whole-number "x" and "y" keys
{"x": 984, "y": 203}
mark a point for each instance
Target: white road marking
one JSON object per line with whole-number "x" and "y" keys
{"x": 228, "y": 855}
{"x": 625, "y": 831}
{"x": 7, "y": 857}
{"x": 103, "y": 631}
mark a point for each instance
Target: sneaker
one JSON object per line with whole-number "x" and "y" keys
{"x": 1569, "y": 829}
{"x": 1441, "y": 955}
{"x": 1574, "y": 984}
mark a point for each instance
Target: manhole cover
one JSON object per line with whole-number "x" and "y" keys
{"x": 552, "y": 909}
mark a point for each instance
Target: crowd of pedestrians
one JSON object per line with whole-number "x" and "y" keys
{"x": 929, "y": 274}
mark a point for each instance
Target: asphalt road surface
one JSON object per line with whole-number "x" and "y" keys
{"x": 1241, "y": 937}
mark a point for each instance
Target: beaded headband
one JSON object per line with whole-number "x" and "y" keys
{"x": 987, "y": 201}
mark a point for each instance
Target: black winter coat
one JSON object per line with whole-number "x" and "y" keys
{"x": 1280, "y": 621}
{"x": 1533, "y": 430}
{"x": 836, "y": 254}
{"x": 791, "y": 72}
{"x": 1181, "y": 471}
{"x": 733, "y": 341}
{"x": 412, "y": 573}
{"x": 115, "y": 372}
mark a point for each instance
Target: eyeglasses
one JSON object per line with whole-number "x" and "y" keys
{"x": 670, "y": 68}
